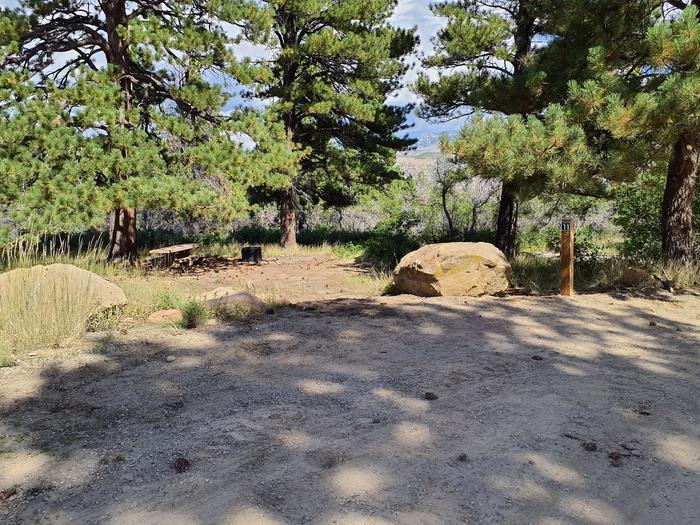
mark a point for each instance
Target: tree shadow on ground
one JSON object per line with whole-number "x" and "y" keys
{"x": 319, "y": 414}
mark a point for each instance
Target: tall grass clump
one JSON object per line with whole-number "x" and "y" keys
{"x": 36, "y": 312}
{"x": 679, "y": 275}
{"x": 539, "y": 274}
{"x": 88, "y": 253}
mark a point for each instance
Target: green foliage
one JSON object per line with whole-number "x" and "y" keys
{"x": 546, "y": 154}
{"x": 194, "y": 314}
{"x": 643, "y": 118}
{"x": 7, "y": 359}
{"x": 333, "y": 66}
{"x": 638, "y": 214}
{"x": 166, "y": 300}
{"x": 79, "y": 139}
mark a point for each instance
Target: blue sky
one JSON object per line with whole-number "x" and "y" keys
{"x": 409, "y": 13}
{"x": 416, "y": 13}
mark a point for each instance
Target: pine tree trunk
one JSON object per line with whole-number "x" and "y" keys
{"x": 122, "y": 235}
{"x": 507, "y": 225}
{"x": 677, "y": 211}
{"x": 446, "y": 211}
{"x": 288, "y": 218}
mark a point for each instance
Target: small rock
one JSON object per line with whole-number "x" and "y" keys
{"x": 537, "y": 358}
{"x": 8, "y": 494}
{"x": 376, "y": 421}
{"x": 181, "y": 465}
{"x": 652, "y": 323}
{"x": 615, "y": 459}
{"x": 589, "y": 446}
{"x": 631, "y": 449}
{"x": 430, "y": 396}
{"x": 462, "y": 457}
{"x": 170, "y": 358}
{"x": 165, "y": 316}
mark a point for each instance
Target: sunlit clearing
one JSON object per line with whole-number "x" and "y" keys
{"x": 357, "y": 481}
{"x": 683, "y": 451}
{"x": 316, "y": 387}
{"x": 250, "y": 515}
{"x": 412, "y": 434}
{"x": 554, "y": 471}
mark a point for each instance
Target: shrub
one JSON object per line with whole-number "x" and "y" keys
{"x": 194, "y": 314}
{"x": 639, "y": 215}
{"x": 231, "y": 312}
{"x": 680, "y": 275}
{"x": 166, "y": 300}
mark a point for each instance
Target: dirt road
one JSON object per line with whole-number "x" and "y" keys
{"x": 545, "y": 410}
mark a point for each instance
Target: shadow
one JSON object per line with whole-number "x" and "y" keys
{"x": 545, "y": 410}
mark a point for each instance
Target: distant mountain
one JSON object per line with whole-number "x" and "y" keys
{"x": 429, "y": 144}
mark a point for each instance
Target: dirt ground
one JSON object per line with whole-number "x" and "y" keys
{"x": 296, "y": 278}
{"x": 539, "y": 410}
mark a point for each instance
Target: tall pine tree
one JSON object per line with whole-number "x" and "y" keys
{"x": 127, "y": 84}
{"x": 645, "y": 114}
{"x": 332, "y": 66}
{"x": 515, "y": 57}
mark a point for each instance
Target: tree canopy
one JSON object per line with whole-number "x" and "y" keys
{"x": 331, "y": 68}
{"x": 129, "y": 102}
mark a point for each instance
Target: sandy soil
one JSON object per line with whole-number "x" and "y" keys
{"x": 318, "y": 414}
{"x": 295, "y": 278}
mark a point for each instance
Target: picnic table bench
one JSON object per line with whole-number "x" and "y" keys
{"x": 168, "y": 255}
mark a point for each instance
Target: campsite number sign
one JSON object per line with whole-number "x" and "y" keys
{"x": 567, "y": 257}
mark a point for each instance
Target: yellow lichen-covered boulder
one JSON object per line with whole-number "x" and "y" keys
{"x": 453, "y": 269}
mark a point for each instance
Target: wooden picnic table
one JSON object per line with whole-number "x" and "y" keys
{"x": 168, "y": 255}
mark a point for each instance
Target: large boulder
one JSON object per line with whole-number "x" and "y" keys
{"x": 453, "y": 269}
{"x": 50, "y": 280}
{"x": 229, "y": 297}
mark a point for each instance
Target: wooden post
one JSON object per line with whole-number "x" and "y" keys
{"x": 567, "y": 257}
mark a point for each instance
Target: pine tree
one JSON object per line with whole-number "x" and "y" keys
{"x": 515, "y": 57}
{"x": 645, "y": 116}
{"x": 332, "y": 67}
{"x": 547, "y": 151}
{"x": 128, "y": 115}
{"x": 64, "y": 168}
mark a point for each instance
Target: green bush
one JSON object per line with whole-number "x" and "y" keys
{"x": 194, "y": 314}
{"x": 166, "y": 300}
{"x": 638, "y": 214}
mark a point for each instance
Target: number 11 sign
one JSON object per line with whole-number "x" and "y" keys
{"x": 567, "y": 257}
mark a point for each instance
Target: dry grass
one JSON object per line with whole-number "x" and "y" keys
{"x": 275, "y": 250}
{"x": 39, "y": 313}
{"x": 679, "y": 275}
